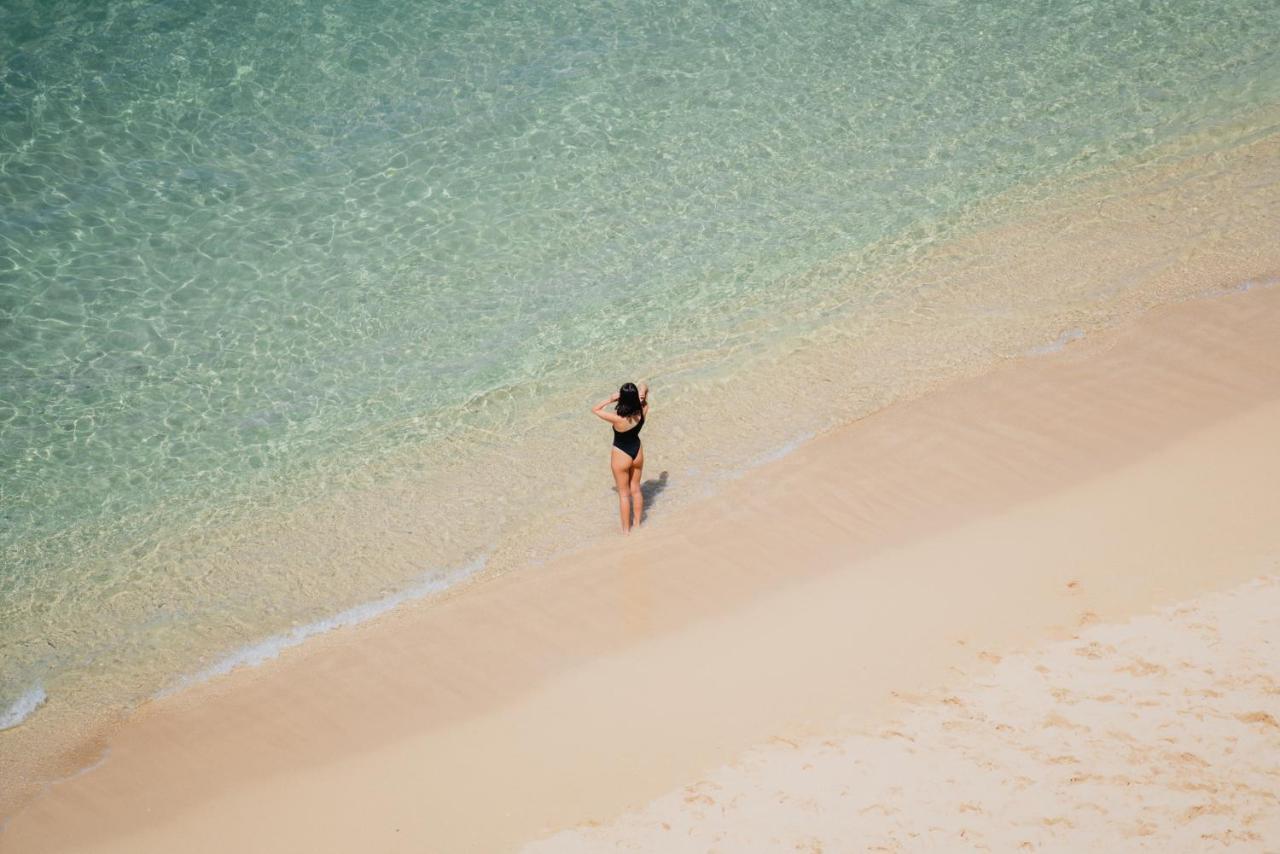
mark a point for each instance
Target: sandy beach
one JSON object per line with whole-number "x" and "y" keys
{"x": 1158, "y": 734}
{"x": 939, "y": 625}
{"x": 960, "y": 530}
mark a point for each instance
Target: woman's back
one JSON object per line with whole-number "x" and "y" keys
{"x": 634, "y": 429}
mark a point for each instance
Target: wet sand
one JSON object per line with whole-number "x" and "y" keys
{"x": 899, "y": 556}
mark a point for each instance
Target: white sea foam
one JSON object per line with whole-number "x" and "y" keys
{"x": 267, "y": 649}
{"x": 23, "y": 707}
{"x": 1058, "y": 344}
{"x": 781, "y": 451}
{"x": 1245, "y": 286}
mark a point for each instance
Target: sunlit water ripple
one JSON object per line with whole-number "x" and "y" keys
{"x": 249, "y": 251}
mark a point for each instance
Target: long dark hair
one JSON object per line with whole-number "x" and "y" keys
{"x": 628, "y": 400}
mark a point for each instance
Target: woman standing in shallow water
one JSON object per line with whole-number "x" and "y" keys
{"x": 627, "y": 457}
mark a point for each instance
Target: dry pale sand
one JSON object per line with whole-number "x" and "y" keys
{"x": 1160, "y": 734}
{"x": 904, "y": 553}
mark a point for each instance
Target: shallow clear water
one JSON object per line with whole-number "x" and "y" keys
{"x": 254, "y": 255}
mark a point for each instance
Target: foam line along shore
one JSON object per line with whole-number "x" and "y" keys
{"x": 1052, "y": 268}
{"x": 286, "y": 299}
{"x": 1055, "y": 496}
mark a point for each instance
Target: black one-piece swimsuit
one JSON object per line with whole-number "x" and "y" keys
{"x": 629, "y": 441}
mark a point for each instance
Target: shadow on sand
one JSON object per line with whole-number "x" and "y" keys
{"x": 650, "y": 489}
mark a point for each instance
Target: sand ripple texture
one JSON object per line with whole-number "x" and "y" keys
{"x": 1160, "y": 734}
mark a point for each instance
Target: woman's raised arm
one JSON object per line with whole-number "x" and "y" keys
{"x": 598, "y": 409}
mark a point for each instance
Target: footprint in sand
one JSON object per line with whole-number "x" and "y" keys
{"x": 1142, "y": 667}
{"x": 1231, "y": 837}
{"x": 1263, "y": 718}
{"x": 1056, "y": 721}
{"x": 1095, "y": 650}
{"x": 1186, "y": 758}
{"x": 694, "y": 794}
{"x": 1211, "y": 808}
{"x": 1143, "y": 828}
{"x": 884, "y": 810}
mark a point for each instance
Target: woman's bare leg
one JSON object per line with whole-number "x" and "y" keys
{"x": 637, "y": 497}
{"x": 621, "y": 465}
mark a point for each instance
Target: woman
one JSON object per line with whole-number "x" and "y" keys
{"x": 627, "y": 457}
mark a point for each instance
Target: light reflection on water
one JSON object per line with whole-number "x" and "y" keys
{"x": 252, "y": 263}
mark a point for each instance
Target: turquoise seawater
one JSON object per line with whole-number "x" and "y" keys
{"x": 249, "y": 250}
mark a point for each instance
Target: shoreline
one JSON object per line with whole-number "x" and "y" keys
{"x": 566, "y": 676}
{"x": 1008, "y": 283}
